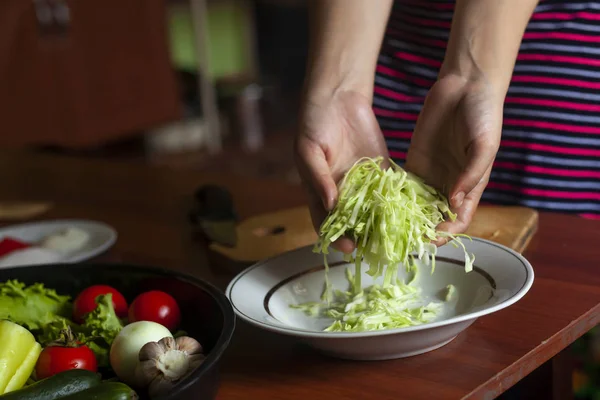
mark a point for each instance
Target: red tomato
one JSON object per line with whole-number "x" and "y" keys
{"x": 86, "y": 301}
{"x": 55, "y": 359}
{"x": 155, "y": 306}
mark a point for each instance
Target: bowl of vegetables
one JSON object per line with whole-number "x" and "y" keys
{"x": 397, "y": 294}
{"x": 110, "y": 331}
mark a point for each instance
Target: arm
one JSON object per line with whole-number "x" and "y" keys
{"x": 485, "y": 39}
{"x": 344, "y": 44}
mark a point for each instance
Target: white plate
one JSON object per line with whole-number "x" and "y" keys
{"x": 102, "y": 237}
{"x": 262, "y": 294}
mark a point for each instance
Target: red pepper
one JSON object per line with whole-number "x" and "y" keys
{"x": 8, "y": 245}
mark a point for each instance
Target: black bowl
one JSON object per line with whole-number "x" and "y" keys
{"x": 206, "y": 313}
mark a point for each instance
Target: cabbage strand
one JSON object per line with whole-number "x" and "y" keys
{"x": 391, "y": 215}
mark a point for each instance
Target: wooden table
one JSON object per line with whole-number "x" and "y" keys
{"x": 148, "y": 207}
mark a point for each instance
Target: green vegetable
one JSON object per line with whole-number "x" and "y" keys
{"x": 103, "y": 326}
{"x": 394, "y": 306}
{"x": 392, "y": 216}
{"x": 450, "y": 292}
{"x": 98, "y": 330}
{"x": 105, "y": 391}
{"x": 18, "y": 355}
{"x": 56, "y": 386}
{"x": 32, "y": 306}
{"x": 47, "y": 314}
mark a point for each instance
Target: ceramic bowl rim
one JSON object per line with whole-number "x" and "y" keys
{"x": 291, "y": 331}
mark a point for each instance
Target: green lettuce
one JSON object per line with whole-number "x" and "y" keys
{"x": 47, "y": 315}
{"x": 32, "y": 306}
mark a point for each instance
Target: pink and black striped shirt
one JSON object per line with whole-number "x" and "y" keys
{"x": 549, "y": 157}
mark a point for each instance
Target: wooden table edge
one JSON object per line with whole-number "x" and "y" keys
{"x": 522, "y": 367}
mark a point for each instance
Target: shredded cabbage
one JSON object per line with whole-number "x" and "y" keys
{"x": 392, "y": 216}
{"x": 377, "y": 307}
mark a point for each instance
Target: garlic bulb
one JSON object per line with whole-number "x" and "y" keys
{"x": 166, "y": 362}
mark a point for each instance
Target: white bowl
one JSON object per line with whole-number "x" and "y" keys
{"x": 263, "y": 293}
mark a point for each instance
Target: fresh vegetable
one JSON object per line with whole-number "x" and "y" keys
{"x": 155, "y": 306}
{"x": 85, "y": 302}
{"x": 165, "y": 363}
{"x": 55, "y": 359}
{"x": 450, "y": 292}
{"x": 33, "y": 306}
{"x": 100, "y": 328}
{"x": 18, "y": 353}
{"x": 9, "y": 244}
{"x": 392, "y": 216}
{"x": 105, "y": 391}
{"x": 375, "y": 308}
{"x": 57, "y": 386}
{"x": 125, "y": 350}
{"x": 63, "y": 355}
{"x": 97, "y": 332}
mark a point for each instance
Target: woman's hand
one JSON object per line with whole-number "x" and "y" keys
{"x": 455, "y": 143}
{"x": 336, "y": 130}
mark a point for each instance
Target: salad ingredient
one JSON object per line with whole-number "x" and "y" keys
{"x": 9, "y": 244}
{"x": 125, "y": 349}
{"x": 18, "y": 353}
{"x": 156, "y": 306}
{"x": 56, "y": 359}
{"x": 391, "y": 215}
{"x": 450, "y": 292}
{"x": 32, "y": 306}
{"x": 57, "y": 386}
{"x": 97, "y": 332}
{"x": 165, "y": 363}
{"x": 66, "y": 241}
{"x": 105, "y": 391}
{"x": 63, "y": 355}
{"x": 376, "y": 307}
{"x": 85, "y": 302}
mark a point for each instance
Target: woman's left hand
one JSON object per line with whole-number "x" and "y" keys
{"x": 455, "y": 143}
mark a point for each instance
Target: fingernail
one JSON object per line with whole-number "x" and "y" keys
{"x": 458, "y": 199}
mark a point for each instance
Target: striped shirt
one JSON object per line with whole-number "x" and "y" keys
{"x": 549, "y": 156}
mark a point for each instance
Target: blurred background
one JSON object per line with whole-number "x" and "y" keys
{"x": 211, "y": 85}
{"x": 206, "y": 85}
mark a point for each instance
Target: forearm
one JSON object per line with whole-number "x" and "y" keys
{"x": 345, "y": 38}
{"x": 485, "y": 39}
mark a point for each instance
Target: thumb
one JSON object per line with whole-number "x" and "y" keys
{"x": 316, "y": 173}
{"x": 480, "y": 156}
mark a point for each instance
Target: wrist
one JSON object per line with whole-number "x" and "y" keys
{"x": 470, "y": 73}
{"x": 327, "y": 84}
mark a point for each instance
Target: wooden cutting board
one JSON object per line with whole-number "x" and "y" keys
{"x": 267, "y": 235}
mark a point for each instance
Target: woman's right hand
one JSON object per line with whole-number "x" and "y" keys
{"x": 335, "y": 131}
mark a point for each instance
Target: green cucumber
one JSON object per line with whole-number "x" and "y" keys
{"x": 105, "y": 391}
{"x": 57, "y": 386}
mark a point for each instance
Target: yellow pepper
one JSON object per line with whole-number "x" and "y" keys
{"x": 19, "y": 352}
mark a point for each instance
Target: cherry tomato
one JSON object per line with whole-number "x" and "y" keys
{"x": 155, "y": 306}
{"x": 55, "y": 359}
{"x": 86, "y": 301}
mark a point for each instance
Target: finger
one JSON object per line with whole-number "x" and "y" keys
{"x": 318, "y": 215}
{"x": 465, "y": 213}
{"x": 317, "y": 173}
{"x": 480, "y": 156}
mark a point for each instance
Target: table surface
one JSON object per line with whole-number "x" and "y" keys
{"x": 149, "y": 205}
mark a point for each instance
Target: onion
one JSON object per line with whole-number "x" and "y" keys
{"x": 125, "y": 350}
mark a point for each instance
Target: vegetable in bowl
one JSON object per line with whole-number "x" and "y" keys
{"x": 205, "y": 314}
{"x": 392, "y": 216}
